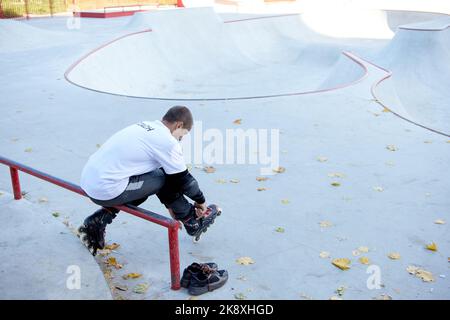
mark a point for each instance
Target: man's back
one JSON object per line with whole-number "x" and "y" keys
{"x": 134, "y": 150}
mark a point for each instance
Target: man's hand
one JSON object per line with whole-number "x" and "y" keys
{"x": 201, "y": 209}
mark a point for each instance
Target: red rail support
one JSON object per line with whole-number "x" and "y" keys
{"x": 180, "y": 4}
{"x": 174, "y": 257}
{"x": 1, "y": 10}
{"x": 15, "y": 183}
{"x": 171, "y": 224}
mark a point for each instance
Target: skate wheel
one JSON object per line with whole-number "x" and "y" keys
{"x": 80, "y": 230}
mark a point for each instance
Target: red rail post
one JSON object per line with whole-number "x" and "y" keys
{"x": 174, "y": 257}
{"x": 1, "y": 9}
{"x": 180, "y": 4}
{"x": 16, "y": 183}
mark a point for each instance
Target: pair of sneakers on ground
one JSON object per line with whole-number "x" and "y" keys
{"x": 201, "y": 278}
{"x": 92, "y": 231}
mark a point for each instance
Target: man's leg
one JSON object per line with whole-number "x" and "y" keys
{"x": 181, "y": 209}
{"x": 139, "y": 188}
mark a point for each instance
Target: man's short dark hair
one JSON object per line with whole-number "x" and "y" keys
{"x": 180, "y": 113}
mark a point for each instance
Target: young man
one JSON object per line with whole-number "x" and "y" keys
{"x": 141, "y": 160}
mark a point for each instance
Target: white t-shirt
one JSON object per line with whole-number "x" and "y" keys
{"x": 134, "y": 150}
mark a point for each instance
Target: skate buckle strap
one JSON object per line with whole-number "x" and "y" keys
{"x": 206, "y": 269}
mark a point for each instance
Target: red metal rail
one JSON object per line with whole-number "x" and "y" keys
{"x": 171, "y": 224}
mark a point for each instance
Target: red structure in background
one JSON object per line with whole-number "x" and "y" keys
{"x": 172, "y": 225}
{"x": 127, "y": 10}
{"x": 111, "y": 14}
{"x": 86, "y": 8}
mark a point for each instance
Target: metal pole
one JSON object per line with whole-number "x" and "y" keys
{"x": 1, "y": 9}
{"x": 174, "y": 257}
{"x": 15, "y": 183}
{"x": 27, "y": 9}
{"x": 50, "y": 5}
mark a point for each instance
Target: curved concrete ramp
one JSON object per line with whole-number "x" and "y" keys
{"x": 198, "y": 56}
{"x": 16, "y": 36}
{"x": 39, "y": 255}
{"x": 418, "y": 58}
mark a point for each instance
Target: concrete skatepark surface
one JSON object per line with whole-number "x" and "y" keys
{"x": 387, "y": 199}
{"x": 31, "y": 239}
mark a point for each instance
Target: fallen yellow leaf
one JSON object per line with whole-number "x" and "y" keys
{"x": 237, "y": 121}
{"x": 325, "y": 224}
{"x": 342, "y": 263}
{"x": 209, "y": 169}
{"x": 364, "y": 260}
{"x": 245, "y": 261}
{"x": 132, "y": 275}
{"x": 363, "y": 249}
{"x": 340, "y": 291}
{"x": 279, "y": 170}
{"x": 285, "y": 201}
{"x": 240, "y": 296}
{"x": 261, "y": 178}
{"x": 108, "y": 274}
{"x": 113, "y": 262}
{"x": 432, "y": 247}
{"x": 439, "y": 221}
{"x": 426, "y": 276}
{"x": 221, "y": 181}
{"x": 391, "y": 147}
{"x": 280, "y": 229}
{"x": 141, "y": 288}
{"x": 394, "y": 255}
{"x": 324, "y": 254}
{"x": 112, "y": 246}
{"x": 261, "y": 189}
{"x": 335, "y": 184}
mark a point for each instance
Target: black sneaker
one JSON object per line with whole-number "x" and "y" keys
{"x": 196, "y": 226}
{"x": 204, "y": 282}
{"x": 193, "y": 269}
{"x": 92, "y": 232}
